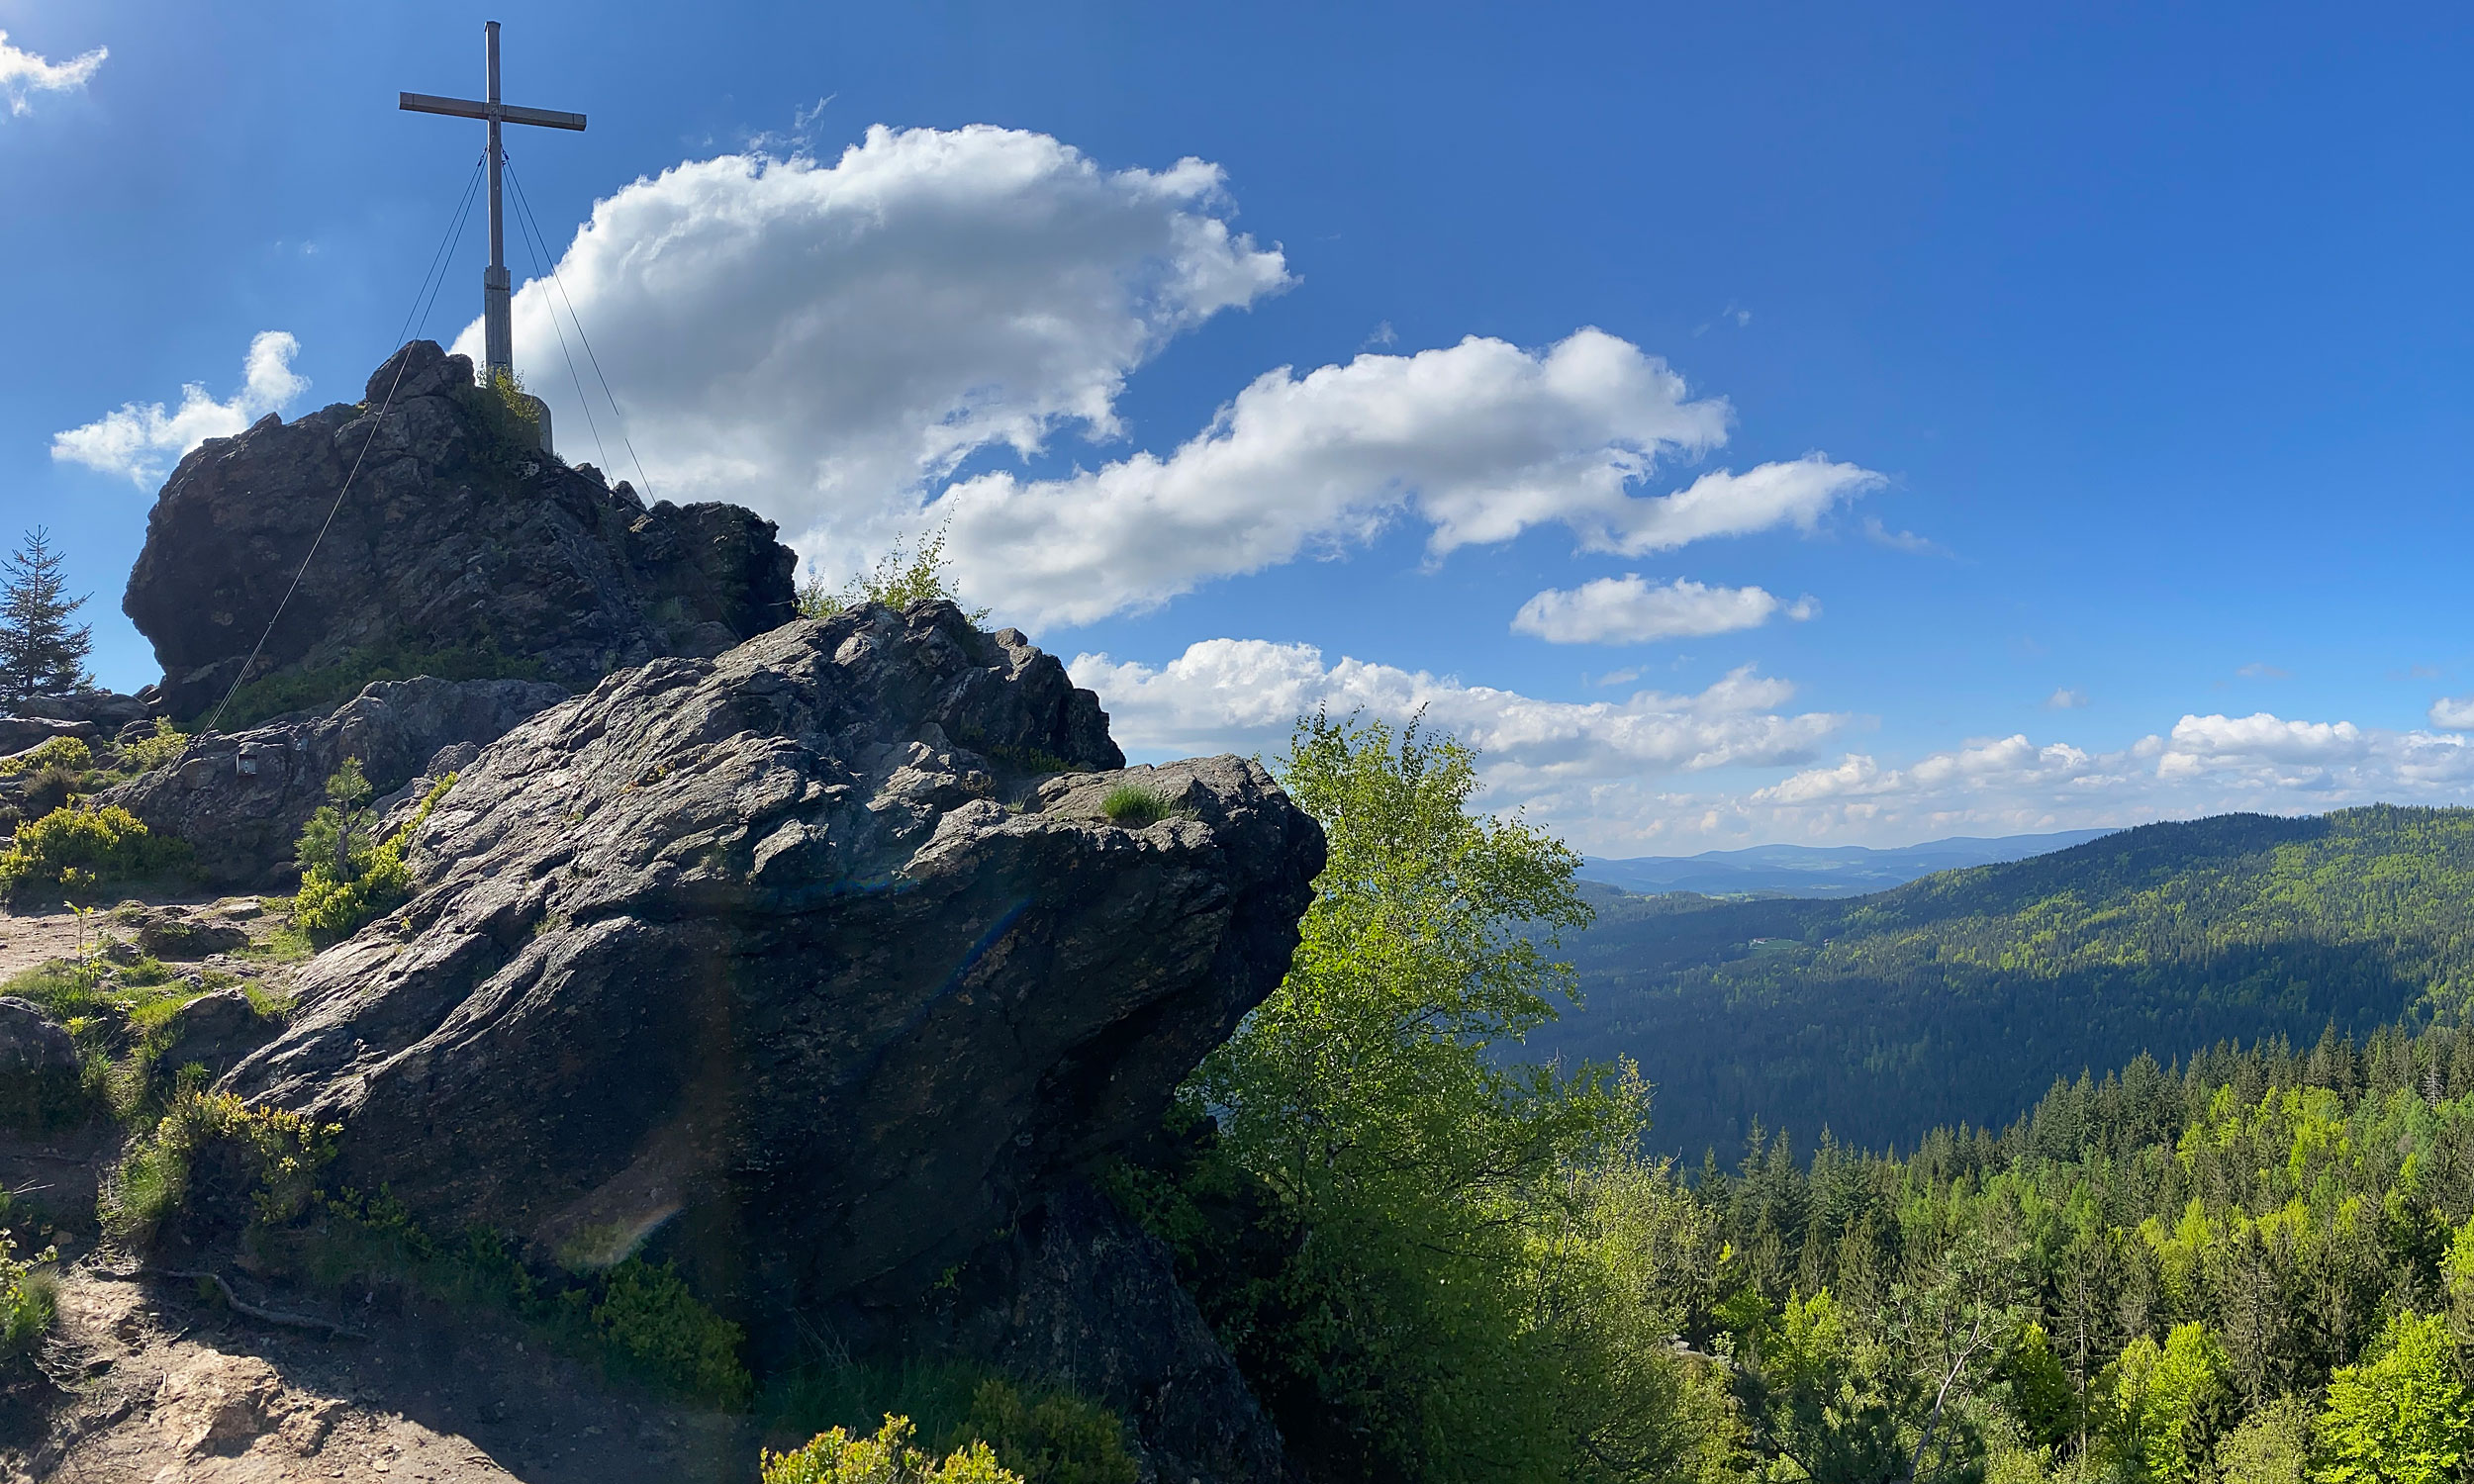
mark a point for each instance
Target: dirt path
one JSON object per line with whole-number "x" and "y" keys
{"x": 148, "y": 1385}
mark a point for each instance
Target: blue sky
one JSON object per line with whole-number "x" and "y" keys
{"x": 2131, "y": 341}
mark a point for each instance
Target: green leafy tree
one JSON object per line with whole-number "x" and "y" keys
{"x": 2172, "y": 1403}
{"x": 40, "y": 651}
{"x": 2401, "y": 1418}
{"x": 1393, "y": 1177}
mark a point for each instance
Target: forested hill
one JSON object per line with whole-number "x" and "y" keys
{"x": 1960, "y": 997}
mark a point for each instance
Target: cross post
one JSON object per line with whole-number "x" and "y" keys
{"x": 498, "y": 335}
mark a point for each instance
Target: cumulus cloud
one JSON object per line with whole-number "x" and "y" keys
{"x": 2453, "y": 712}
{"x": 2204, "y": 765}
{"x": 143, "y": 442}
{"x": 23, "y": 75}
{"x": 830, "y": 342}
{"x": 819, "y": 340}
{"x": 1628, "y": 610}
{"x": 1482, "y": 441}
{"x": 1245, "y": 694}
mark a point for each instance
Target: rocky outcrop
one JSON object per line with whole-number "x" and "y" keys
{"x": 456, "y": 546}
{"x": 802, "y": 966}
{"x": 1079, "y": 1297}
{"x": 30, "y": 1045}
{"x": 240, "y": 799}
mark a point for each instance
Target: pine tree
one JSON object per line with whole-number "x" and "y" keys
{"x": 38, "y": 651}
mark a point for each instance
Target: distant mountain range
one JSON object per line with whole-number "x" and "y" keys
{"x": 1820, "y": 870}
{"x": 1961, "y": 996}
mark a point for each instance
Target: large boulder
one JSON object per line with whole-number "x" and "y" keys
{"x": 459, "y": 549}
{"x": 1078, "y": 1296}
{"x": 240, "y": 799}
{"x": 801, "y": 966}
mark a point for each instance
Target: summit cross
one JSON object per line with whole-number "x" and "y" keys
{"x": 497, "y": 338}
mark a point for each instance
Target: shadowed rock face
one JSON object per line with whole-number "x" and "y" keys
{"x": 240, "y": 799}
{"x": 797, "y": 963}
{"x": 454, "y": 540}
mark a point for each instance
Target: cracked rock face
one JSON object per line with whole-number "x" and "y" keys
{"x": 803, "y": 966}
{"x": 453, "y": 539}
{"x": 240, "y": 799}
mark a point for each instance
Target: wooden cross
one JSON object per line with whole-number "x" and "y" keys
{"x": 498, "y": 335}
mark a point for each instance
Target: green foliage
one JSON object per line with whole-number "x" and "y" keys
{"x": 70, "y": 754}
{"x": 346, "y": 881}
{"x": 40, "y": 650}
{"x": 1050, "y": 1437}
{"x": 2271, "y": 1447}
{"x": 2172, "y": 1403}
{"x": 1047, "y": 1436}
{"x": 636, "y": 1320}
{"x": 647, "y": 1316}
{"x": 268, "y": 1157}
{"x": 902, "y": 576}
{"x": 2402, "y": 1418}
{"x": 887, "y": 1457}
{"x": 149, "y": 753}
{"x": 325, "y": 687}
{"x": 1135, "y": 806}
{"x": 29, "y": 1297}
{"x": 72, "y": 850}
{"x": 1871, "y": 1016}
{"x": 1430, "y": 1264}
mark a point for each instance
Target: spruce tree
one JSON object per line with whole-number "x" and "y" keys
{"x": 39, "y": 651}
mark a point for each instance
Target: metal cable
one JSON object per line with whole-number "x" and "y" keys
{"x": 612, "y": 398}
{"x": 454, "y": 226}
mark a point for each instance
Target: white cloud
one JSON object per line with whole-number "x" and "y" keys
{"x": 2453, "y": 712}
{"x": 1481, "y": 439}
{"x": 1661, "y": 773}
{"x": 2205, "y": 765}
{"x": 143, "y": 442}
{"x": 1901, "y": 540}
{"x": 829, "y": 342}
{"x": 1628, "y": 610}
{"x": 1245, "y": 694}
{"x": 2065, "y": 699}
{"x": 23, "y": 73}
{"x": 821, "y": 340}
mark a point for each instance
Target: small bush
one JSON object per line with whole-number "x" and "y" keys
{"x": 29, "y": 1297}
{"x": 1056, "y": 1438}
{"x": 267, "y": 1156}
{"x": 648, "y": 1316}
{"x": 149, "y": 753}
{"x": 347, "y": 881}
{"x": 80, "y": 848}
{"x": 901, "y": 578}
{"x": 838, "y": 1457}
{"x": 48, "y": 788}
{"x": 70, "y": 754}
{"x": 1135, "y": 806}
{"x": 1048, "y": 1437}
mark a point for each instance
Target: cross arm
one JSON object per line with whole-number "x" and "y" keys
{"x": 509, "y": 113}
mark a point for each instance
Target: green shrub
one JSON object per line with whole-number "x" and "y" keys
{"x": 1051, "y": 1437}
{"x": 902, "y": 577}
{"x": 149, "y": 753}
{"x": 70, "y": 754}
{"x": 838, "y": 1457}
{"x": 345, "y": 880}
{"x": 28, "y": 1296}
{"x": 1048, "y": 1437}
{"x": 1137, "y": 806}
{"x": 78, "y": 849}
{"x": 267, "y": 1156}
{"x": 648, "y": 1317}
